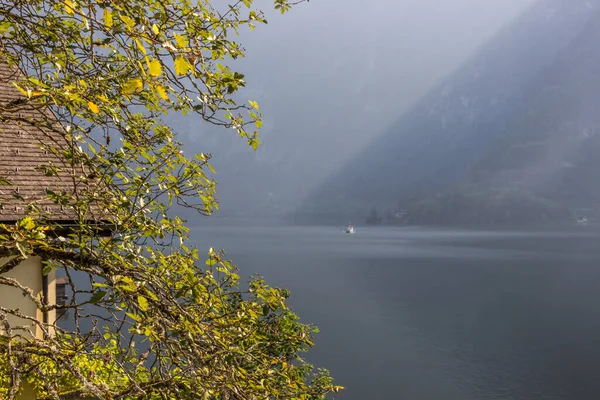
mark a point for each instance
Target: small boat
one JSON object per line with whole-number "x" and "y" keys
{"x": 350, "y": 229}
{"x": 582, "y": 221}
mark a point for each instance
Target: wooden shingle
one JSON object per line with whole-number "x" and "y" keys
{"x": 24, "y": 148}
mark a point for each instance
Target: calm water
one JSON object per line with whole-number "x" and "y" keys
{"x": 415, "y": 313}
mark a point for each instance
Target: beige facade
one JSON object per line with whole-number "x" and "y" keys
{"x": 29, "y": 274}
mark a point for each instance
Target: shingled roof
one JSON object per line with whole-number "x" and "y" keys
{"x": 24, "y": 147}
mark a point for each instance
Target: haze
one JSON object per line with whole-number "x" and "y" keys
{"x": 330, "y": 77}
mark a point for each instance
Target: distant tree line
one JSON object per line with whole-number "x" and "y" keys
{"x": 475, "y": 205}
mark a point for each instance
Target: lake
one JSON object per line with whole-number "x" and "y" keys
{"x": 426, "y": 313}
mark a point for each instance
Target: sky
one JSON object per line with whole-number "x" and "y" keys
{"x": 330, "y": 76}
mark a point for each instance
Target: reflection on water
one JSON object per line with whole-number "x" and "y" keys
{"x": 415, "y": 313}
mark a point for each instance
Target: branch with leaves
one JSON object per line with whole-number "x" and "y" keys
{"x": 157, "y": 320}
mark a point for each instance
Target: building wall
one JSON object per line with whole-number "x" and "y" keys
{"x": 29, "y": 274}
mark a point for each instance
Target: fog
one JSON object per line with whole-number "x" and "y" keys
{"x": 330, "y": 76}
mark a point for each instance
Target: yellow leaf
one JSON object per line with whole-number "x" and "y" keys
{"x": 132, "y": 86}
{"x": 128, "y": 22}
{"x": 23, "y": 91}
{"x": 155, "y": 29}
{"x": 162, "y": 93}
{"x": 27, "y": 223}
{"x": 210, "y": 167}
{"x": 93, "y": 107}
{"x": 182, "y": 66}
{"x": 103, "y": 98}
{"x": 140, "y": 46}
{"x": 108, "y": 20}
{"x": 69, "y": 7}
{"x": 181, "y": 41}
{"x": 143, "y": 302}
{"x": 155, "y": 68}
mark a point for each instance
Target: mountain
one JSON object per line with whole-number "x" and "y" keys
{"x": 327, "y": 87}
{"x": 551, "y": 146}
{"x": 518, "y": 114}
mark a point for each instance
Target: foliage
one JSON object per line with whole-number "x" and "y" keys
{"x": 159, "y": 321}
{"x": 472, "y": 204}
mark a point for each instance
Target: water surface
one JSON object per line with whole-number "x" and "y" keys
{"x": 424, "y": 313}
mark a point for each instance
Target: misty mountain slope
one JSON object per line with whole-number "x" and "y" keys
{"x": 329, "y": 77}
{"x": 552, "y": 144}
{"x": 439, "y": 142}
{"x": 545, "y": 166}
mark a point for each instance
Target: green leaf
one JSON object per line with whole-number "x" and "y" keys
{"x": 134, "y": 317}
{"x": 151, "y": 295}
{"x": 127, "y": 284}
{"x": 99, "y": 295}
{"x": 132, "y": 86}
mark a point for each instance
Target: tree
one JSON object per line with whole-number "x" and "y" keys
{"x": 165, "y": 322}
